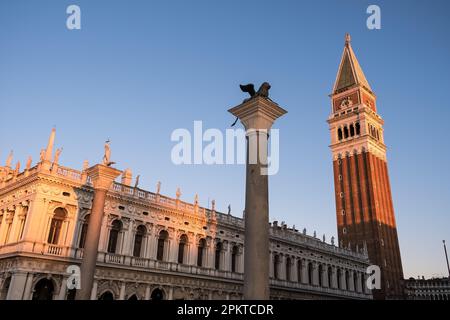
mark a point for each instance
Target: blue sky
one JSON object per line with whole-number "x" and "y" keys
{"x": 137, "y": 70}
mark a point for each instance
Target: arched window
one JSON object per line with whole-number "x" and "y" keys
{"x": 201, "y": 249}
{"x": 43, "y": 290}
{"x": 358, "y": 128}
{"x": 320, "y": 275}
{"x": 56, "y": 226}
{"x": 330, "y": 277}
{"x": 141, "y": 231}
{"x": 345, "y": 132}
{"x": 219, "y": 247}
{"x": 157, "y": 294}
{"x": 352, "y": 130}
{"x": 116, "y": 227}
{"x": 83, "y": 234}
{"x": 182, "y": 248}
{"x": 310, "y": 273}
{"x": 299, "y": 270}
{"x": 339, "y": 134}
{"x": 133, "y": 298}
{"x": 288, "y": 269}
{"x": 162, "y": 240}
{"x": 234, "y": 253}
{"x": 276, "y": 261}
{"x": 108, "y": 296}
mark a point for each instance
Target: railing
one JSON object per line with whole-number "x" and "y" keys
{"x": 113, "y": 258}
{"x": 69, "y": 173}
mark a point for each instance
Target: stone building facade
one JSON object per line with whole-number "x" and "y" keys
{"x": 428, "y": 289}
{"x": 151, "y": 246}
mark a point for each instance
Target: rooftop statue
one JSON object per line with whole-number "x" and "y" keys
{"x": 107, "y": 157}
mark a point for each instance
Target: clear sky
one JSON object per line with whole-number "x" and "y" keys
{"x": 137, "y": 70}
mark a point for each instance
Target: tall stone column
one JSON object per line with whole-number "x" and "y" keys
{"x": 257, "y": 115}
{"x": 102, "y": 177}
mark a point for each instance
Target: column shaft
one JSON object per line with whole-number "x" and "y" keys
{"x": 91, "y": 245}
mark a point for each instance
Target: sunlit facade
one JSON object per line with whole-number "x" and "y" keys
{"x": 151, "y": 246}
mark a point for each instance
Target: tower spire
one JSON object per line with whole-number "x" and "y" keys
{"x": 350, "y": 73}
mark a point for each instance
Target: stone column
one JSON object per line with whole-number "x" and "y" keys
{"x": 359, "y": 288}
{"x": 122, "y": 291}
{"x": 63, "y": 289}
{"x": 94, "y": 290}
{"x": 17, "y": 286}
{"x": 257, "y": 115}
{"x": 351, "y": 281}
{"x": 333, "y": 283}
{"x": 28, "y": 287}
{"x": 315, "y": 278}
{"x": 305, "y": 275}
{"x": 102, "y": 177}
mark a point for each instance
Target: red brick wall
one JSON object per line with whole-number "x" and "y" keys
{"x": 369, "y": 216}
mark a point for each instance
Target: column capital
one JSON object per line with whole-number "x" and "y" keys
{"x": 258, "y": 113}
{"x": 102, "y": 176}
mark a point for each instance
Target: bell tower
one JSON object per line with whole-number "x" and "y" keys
{"x": 364, "y": 209}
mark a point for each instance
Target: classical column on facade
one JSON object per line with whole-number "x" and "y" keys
{"x": 225, "y": 260}
{"x": 351, "y": 281}
{"x": 343, "y": 284}
{"x": 271, "y": 272}
{"x": 147, "y": 293}
{"x": 104, "y": 233}
{"x": 358, "y": 282}
{"x": 315, "y": 273}
{"x": 326, "y": 277}
{"x": 172, "y": 248}
{"x": 257, "y": 114}
{"x": 28, "y": 287}
{"x": 241, "y": 259}
{"x": 193, "y": 250}
{"x": 281, "y": 267}
{"x": 94, "y": 290}
{"x": 102, "y": 177}
{"x": 305, "y": 277}
{"x": 294, "y": 270}
{"x": 148, "y": 241}
{"x": 3, "y": 226}
{"x": 13, "y": 235}
{"x": 334, "y": 283}
{"x": 17, "y": 286}
{"x": 323, "y": 276}
{"x": 63, "y": 289}
{"x": 122, "y": 291}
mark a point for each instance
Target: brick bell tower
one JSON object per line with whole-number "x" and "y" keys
{"x": 364, "y": 209}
